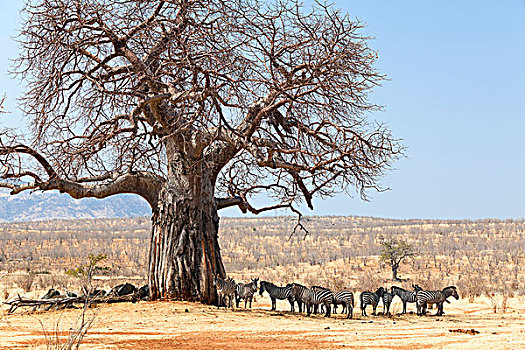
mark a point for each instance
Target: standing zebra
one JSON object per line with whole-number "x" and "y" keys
{"x": 372, "y": 299}
{"x": 312, "y": 297}
{"x": 345, "y": 298}
{"x": 245, "y": 291}
{"x": 438, "y": 297}
{"x": 387, "y": 300}
{"x": 226, "y": 290}
{"x": 405, "y": 295}
{"x": 276, "y": 292}
{"x": 316, "y": 307}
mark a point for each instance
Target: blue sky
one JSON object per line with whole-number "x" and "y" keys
{"x": 456, "y": 96}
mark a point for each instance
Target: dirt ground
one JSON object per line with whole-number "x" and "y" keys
{"x": 179, "y": 325}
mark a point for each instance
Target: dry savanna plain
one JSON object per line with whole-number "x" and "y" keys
{"x": 485, "y": 259}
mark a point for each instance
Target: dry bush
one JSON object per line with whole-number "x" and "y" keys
{"x": 450, "y": 250}
{"x": 431, "y": 281}
{"x": 493, "y": 303}
{"x": 25, "y": 281}
{"x": 6, "y": 294}
{"x": 472, "y": 286}
{"x": 368, "y": 281}
{"x": 504, "y": 303}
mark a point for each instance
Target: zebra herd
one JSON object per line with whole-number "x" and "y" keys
{"x": 316, "y": 298}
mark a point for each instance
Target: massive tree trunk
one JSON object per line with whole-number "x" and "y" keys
{"x": 184, "y": 249}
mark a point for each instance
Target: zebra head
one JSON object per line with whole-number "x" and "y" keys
{"x": 295, "y": 289}
{"x": 254, "y": 284}
{"x": 380, "y": 291}
{"x": 262, "y": 287}
{"x": 417, "y": 288}
{"x": 451, "y": 291}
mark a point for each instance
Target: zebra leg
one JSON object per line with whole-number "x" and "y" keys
{"x": 328, "y": 309}
{"x": 273, "y": 303}
{"x": 404, "y": 307}
{"x": 439, "y": 309}
{"x": 374, "y": 307}
{"x": 308, "y": 309}
{"x": 350, "y": 311}
{"x": 292, "y": 304}
{"x": 363, "y": 308}
{"x": 335, "y": 308}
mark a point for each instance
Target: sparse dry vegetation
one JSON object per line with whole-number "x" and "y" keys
{"x": 482, "y": 257}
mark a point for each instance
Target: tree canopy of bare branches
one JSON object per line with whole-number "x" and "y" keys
{"x": 195, "y": 106}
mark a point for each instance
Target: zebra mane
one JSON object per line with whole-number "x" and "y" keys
{"x": 266, "y": 283}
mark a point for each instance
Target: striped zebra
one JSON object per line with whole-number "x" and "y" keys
{"x": 297, "y": 296}
{"x": 280, "y": 293}
{"x": 316, "y": 307}
{"x": 438, "y": 297}
{"x": 405, "y": 295}
{"x": 225, "y": 290}
{"x": 387, "y": 300}
{"x": 369, "y": 298}
{"x": 312, "y": 297}
{"x": 245, "y": 291}
{"x": 345, "y": 298}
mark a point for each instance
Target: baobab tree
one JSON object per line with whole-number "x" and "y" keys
{"x": 195, "y": 106}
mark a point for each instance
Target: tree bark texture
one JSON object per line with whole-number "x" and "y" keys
{"x": 394, "y": 273}
{"x": 184, "y": 250}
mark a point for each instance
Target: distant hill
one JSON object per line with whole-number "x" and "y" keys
{"x": 55, "y": 205}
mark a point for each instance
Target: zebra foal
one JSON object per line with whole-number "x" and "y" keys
{"x": 438, "y": 297}
{"x": 245, "y": 291}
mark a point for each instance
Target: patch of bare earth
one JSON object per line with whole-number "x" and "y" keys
{"x": 179, "y": 325}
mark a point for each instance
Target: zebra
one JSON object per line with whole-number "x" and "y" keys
{"x": 405, "y": 295}
{"x": 280, "y": 293}
{"x": 316, "y": 307}
{"x": 387, "y": 300}
{"x": 225, "y": 290}
{"x": 297, "y": 296}
{"x": 367, "y": 298}
{"x": 245, "y": 291}
{"x": 312, "y": 297}
{"x": 438, "y": 297}
{"x": 345, "y": 298}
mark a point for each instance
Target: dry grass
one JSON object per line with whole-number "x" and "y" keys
{"x": 481, "y": 257}
{"x": 178, "y": 325}
{"x": 485, "y": 259}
